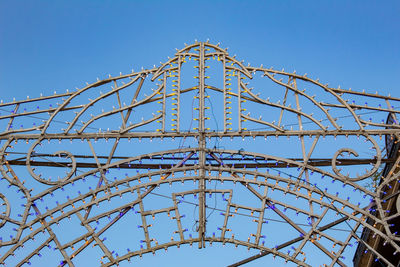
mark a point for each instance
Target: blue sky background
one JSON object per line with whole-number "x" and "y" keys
{"x": 55, "y": 45}
{"x": 59, "y": 45}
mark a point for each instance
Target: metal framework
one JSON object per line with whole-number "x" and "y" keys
{"x": 299, "y": 177}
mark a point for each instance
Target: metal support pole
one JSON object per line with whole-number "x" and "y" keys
{"x": 202, "y": 146}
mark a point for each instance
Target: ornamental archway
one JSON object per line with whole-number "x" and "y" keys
{"x": 200, "y": 150}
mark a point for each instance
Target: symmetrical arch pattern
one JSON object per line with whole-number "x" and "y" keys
{"x": 97, "y": 158}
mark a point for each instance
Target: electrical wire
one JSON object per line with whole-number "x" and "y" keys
{"x": 354, "y": 233}
{"x": 214, "y": 208}
{"x": 215, "y": 146}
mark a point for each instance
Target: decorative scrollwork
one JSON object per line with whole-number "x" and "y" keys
{"x": 342, "y": 151}
{"x": 60, "y": 154}
{"x": 212, "y": 156}
{"x": 7, "y": 209}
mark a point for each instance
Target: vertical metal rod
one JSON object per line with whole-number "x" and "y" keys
{"x": 224, "y": 88}
{"x": 178, "y": 95}
{"x": 144, "y": 221}
{"x": 261, "y": 216}
{"x": 163, "y": 103}
{"x": 303, "y": 147}
{"x": 239, "y": 103}
{"x": 202, "y": 147}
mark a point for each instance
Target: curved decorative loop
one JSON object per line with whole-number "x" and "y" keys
{"x": 340, "y": 152}
{"x": 60, "y": 153}
{"x": 294, "y": 186}
{"x": 398, "y": 204}
{"x": 5, "y": 214}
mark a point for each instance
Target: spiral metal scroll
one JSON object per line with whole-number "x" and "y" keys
{"x": 374, "y": 169}
{"x": 61, "y": 153}
{"x": 161, "y": 133}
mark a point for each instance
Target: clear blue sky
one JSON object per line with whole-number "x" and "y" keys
{"x": 46, "y": 45}
{"x": 59, "y": 45}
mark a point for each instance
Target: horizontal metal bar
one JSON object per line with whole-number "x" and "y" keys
{"x": 311, "y": 162}
{"x": 250, "y": 133}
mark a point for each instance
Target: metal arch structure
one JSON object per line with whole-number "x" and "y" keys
{"x": 306, "y": 190}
